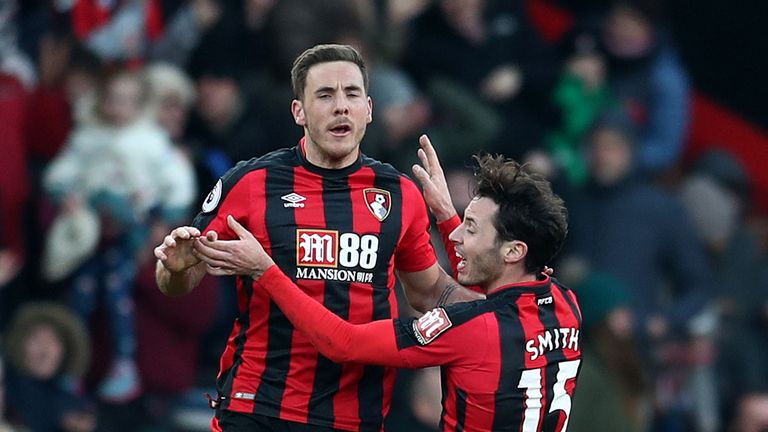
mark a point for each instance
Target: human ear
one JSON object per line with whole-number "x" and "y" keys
{"x": 370, "y": 110}
{"x": 297, "y": 109}
{"x": 514, "y": 251}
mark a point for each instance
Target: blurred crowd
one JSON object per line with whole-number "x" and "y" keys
{"x": 118, "y": 116}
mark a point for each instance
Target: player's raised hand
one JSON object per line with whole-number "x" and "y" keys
{"x": 435, "y": 188}
{"x": 244, "y": 256}
{"x": 175, "y": 252}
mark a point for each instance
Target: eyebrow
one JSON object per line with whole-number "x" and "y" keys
{"x": 329, "y": 89}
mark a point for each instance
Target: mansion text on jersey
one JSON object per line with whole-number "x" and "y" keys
{"x": 333, "y": 274}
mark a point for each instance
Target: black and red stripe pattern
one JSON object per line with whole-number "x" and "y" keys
{"x": 318, "y": 226}
{"x": 509, "y": 363}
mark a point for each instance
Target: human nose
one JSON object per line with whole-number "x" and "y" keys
{"x": 455, "y": 235}
{"x": 342, "y": 105}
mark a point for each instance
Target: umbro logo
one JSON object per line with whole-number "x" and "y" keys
{"x": 293, "y": 200}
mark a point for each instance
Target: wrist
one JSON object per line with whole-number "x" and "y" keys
{"x": 448, "y": 224}
{"x": 265, "y": 275}
{"x": 445, "y": 214}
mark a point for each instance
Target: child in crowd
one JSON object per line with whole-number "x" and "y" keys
{"x": 120, "y": 165}
{"x": 47, "y": 347}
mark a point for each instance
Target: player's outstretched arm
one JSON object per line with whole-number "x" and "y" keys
{"x": 178, "y": 270}
{"x": 335, "y": 338}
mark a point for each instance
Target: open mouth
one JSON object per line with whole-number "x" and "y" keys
{"x": 341, "y": 130}
{"x": 462, "y": 262}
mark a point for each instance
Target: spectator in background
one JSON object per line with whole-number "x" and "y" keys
{"x": 121, "y": 165}
{"x": 649, "y": 81}
{"x": 488, "y": 49}
{"x": 581, "y": 95}
{"x": 185, "y": 28}
{"x": 613, "y": 381}
{"x": 227, "y": 125}
{"x": 116, "y": 31}
{"x": 716, "y": 193}
{"x": 48, "y": 348}
{"x": 172, "y": 97}
{"x": 623, "y": 224}
{"x": 69, "y": 75}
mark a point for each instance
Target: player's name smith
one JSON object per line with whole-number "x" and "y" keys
{"x": 333, "y": 274}
{"x": 553, "y": 339}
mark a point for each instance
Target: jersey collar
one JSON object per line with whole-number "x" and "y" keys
{"x": 540, "y": 285}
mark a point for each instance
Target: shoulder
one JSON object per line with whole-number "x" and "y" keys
{"x": 388, "y": 173}
{"x": 383, "y": 169}
{"x": 279, "y": 158}
{"x": 440, "y": 320}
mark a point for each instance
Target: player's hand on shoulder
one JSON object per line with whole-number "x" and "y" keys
{"x": 175, "y": 252}
{"x": 432, "y": 178}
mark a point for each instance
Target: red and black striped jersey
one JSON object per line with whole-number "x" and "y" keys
{"x": 509, "y": 362}
{"x": 339, "y": 234}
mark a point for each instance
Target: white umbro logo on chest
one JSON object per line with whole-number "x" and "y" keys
{"x": 293, "y": 200}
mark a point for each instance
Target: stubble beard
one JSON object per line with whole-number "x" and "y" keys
{"x": 484, "y": 269}
{"x": 335, "y": 151}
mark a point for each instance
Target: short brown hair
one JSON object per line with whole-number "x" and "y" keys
{"x": 324, "y": 54}
{"x": 528, "y": 209}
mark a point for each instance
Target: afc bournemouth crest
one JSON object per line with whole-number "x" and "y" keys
{"x": 378, "y": 201}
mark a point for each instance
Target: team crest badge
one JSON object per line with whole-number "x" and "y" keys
{"x": 378, "y": 201}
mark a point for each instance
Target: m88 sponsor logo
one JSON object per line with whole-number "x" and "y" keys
{"x": 330, "y": 249}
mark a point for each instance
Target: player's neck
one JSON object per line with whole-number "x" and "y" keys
{"x": 321, "y": 159}
{"x": 514, "y": 275}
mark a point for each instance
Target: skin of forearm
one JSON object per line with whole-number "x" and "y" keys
{"x": 451, "y": 291}
{"x": 175, "y": 284}
{"x": 445, "y": 290}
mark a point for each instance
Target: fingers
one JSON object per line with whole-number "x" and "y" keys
{"x": 169, "y": 241}
{"x": 433, "y": 163}
{"x": 160, "y": 254}
{"x": 423, "y": 159}
{"x": 421, "y": 175}
{"x": 185, "y": 233}
{"x": 215, "y": 263}
{"x": 218, "y": 271}
{"x": 238, "y": 229}
{"x": 205, "y": 249}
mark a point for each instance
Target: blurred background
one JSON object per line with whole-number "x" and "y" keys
{"x": 118, "y": 116}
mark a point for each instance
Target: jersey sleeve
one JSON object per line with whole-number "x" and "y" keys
{"x": 434, "y": 340}
{"x": 233, "y": 194}
{"x": 335, "y": 338}
{"x": 414, "y": 251}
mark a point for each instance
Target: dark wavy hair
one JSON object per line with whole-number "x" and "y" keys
{"x": 528, "y": 209}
